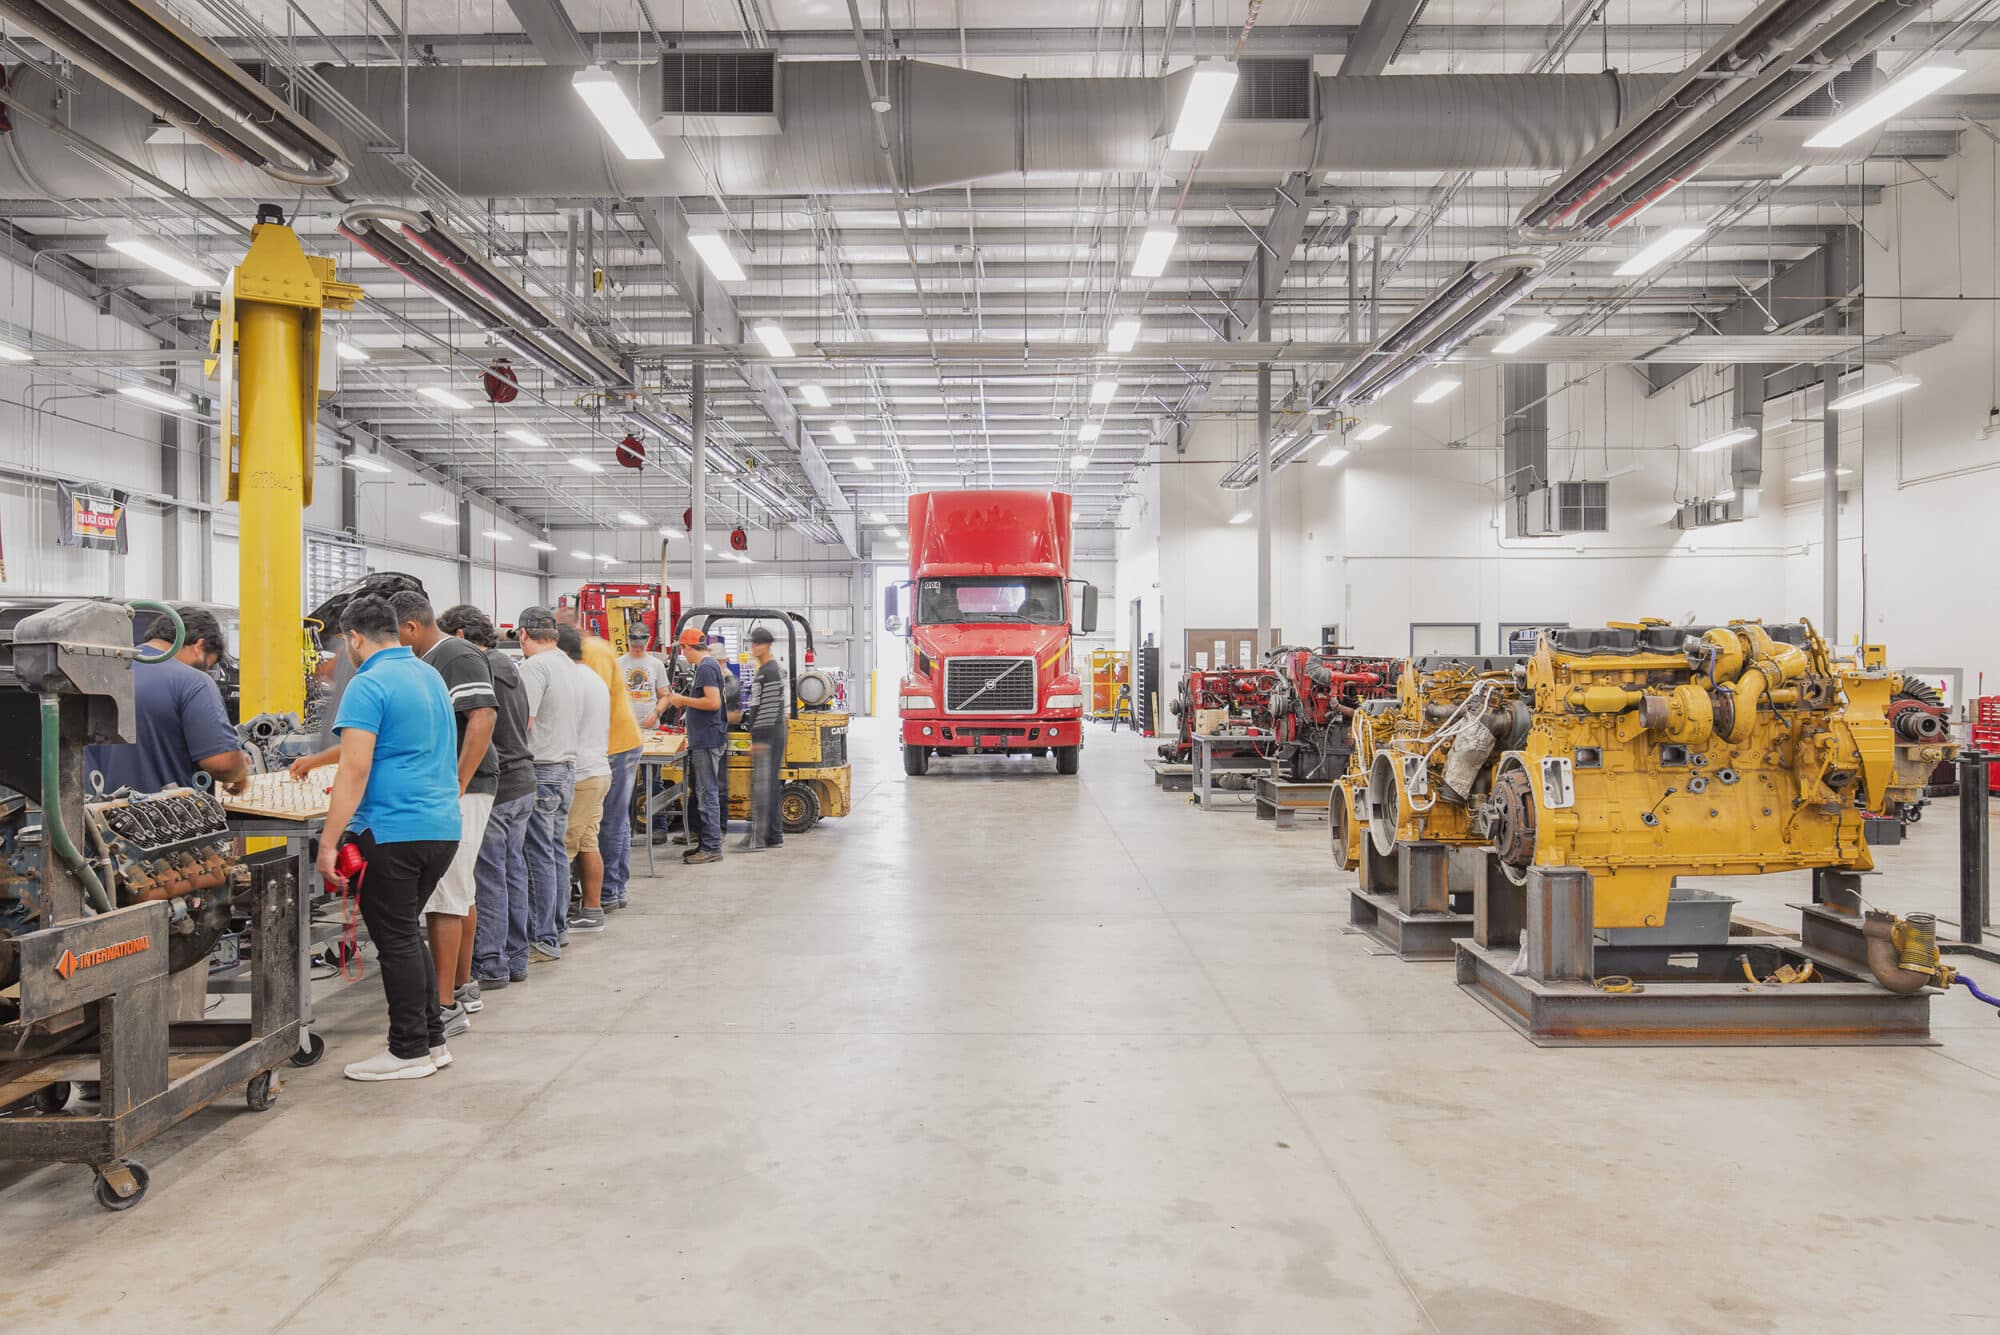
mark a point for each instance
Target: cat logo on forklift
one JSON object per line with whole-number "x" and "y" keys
{"x": 71, "y": 961}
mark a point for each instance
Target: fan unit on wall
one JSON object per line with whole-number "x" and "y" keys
{"x": 1565, "y": 507}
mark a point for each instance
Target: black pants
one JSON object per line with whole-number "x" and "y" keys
{"x": 397, "y": 884}
{"x": 766, "y": 779}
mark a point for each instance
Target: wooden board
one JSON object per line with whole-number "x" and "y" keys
{"x": 278, "y": 796}
{"x": 662, "y": 745}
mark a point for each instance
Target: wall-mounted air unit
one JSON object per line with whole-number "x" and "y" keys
{"x": 719, "y": 93}
{"x": 1562, "y": 507}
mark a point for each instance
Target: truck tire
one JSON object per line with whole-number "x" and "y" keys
{"x": 916, "y": 761}
{"x": 1069, "y": 759}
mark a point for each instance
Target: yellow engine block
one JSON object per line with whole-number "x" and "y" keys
{"x": 1641, "y": 752}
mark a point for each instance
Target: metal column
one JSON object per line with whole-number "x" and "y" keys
{"x": 465, "y": 550}
{"x": 1829, "y": 492}
{"x": 698, "y": 482}
{"x": 1264, "y": 641}
{"x": 1975, "y": 849}
{"x": 170, "y": 514}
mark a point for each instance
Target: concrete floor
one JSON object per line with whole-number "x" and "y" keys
{"x": 1007, "y": 1052}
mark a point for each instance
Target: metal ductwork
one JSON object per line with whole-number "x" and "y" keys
{"x": 950, "y": 126}
{"x": 181, "y": 86}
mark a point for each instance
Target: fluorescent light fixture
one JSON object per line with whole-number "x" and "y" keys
{"x": 1728, "y": 495}
{"x": 10, "y": 353}
{"x": 1089, "y": 432}
{"x": 1210, "y": 87}
{"x": 157, "y": 398}
{"x": 903, "y": 543}
{"x": 363, "y": 463}
{"x": 527, "y": 437}
{"x": 1909, "y": 86}
{"x": 864, "y": 463}
{"x": 1124, "y": 334}
{"x": 440, "y": 519}
{"x": 1725, "y": 440}
{"x": 495, "y": 534}
{"x": 1881, "y": 389}
{"x": 634, "y": 518}
{"x": 1334, "y": 456}
{"x": 444, "y": 398}
{"x": 1103, "y": 391}
{"x": 842, "y": 433}
{"x": 158, "y": 257}
{"x": 583, "y": 465}
{"x": 580, "y": 554}
{"x": 605, "y": 96}
{"x": 607, "y": 558}
{"x": 877, "y": 517}
{"x": 1523, "y": 336}
{"x": 350, "y": 351}
{"x": 746, "y": 558}
{"x": 815, "y": 396}
{"x": 1661, "y": 249}
{"x": 666, "y": 532}
{"x": 713, "y": 247}
{"x": 1155, "y": 246}
{"x": 774, "y": 340}
{"x": 541, "y": 546}
{"x": 891, "y": 531}
{"x": 1242, "y": 517}
{"x": 1818, "y": 474}
{"x": 1373, "y": 431}
{"x": 1080, "y": 460}
{"x": 1436, "y": 390}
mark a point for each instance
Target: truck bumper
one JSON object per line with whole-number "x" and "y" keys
{"x": 994, "y": 736}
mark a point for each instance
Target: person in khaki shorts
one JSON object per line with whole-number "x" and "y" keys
{"x": 593, "y": 780}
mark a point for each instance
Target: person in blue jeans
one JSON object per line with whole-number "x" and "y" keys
{"x": 555, "y": 711}
{"x": 707, "y": 735}
{"x": 500, "y": 940}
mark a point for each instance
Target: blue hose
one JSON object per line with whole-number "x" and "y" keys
{"x": 1973, "y": 988}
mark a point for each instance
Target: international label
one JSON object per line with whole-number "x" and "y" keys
{"x": 118, "y": 950}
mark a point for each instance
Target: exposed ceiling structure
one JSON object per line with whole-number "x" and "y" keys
{"x": 941, "y": 205}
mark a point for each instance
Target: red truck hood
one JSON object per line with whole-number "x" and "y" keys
{"x": 1003, "y": 639}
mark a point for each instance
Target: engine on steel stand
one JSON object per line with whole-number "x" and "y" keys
{"x": 1314, "y": 696}
{"x": 106, "y": 900}
{"x": 1218, "y": 702}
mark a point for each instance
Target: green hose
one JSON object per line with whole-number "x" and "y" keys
{"x": 180, "y": 630}
{"x": 52, "y": 820}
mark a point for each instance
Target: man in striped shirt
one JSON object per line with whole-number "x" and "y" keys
{"x": 764, "y": 719}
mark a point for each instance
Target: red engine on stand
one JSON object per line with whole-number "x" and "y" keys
{"x": 1243, "y": 694}
{"x": 1313, "y": 699}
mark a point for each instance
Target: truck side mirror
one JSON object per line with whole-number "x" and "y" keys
{"x": 1087, "y": 614}
{"x": 890, "y": 620}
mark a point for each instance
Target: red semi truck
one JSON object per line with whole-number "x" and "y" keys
{"x": 988, "y": 610}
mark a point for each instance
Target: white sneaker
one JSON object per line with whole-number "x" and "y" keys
{"x": 388, "y": 1066}
{"x": 441, "y": 1056}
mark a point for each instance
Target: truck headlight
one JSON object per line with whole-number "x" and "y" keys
{"x": 918, "y": 702}
{"x": 1066, "y": 702}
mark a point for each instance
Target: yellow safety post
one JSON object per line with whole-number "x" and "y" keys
{"x": 268, "y": 348}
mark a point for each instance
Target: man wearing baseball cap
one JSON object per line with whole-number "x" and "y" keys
{"x": 707, "y": 735}
{"x": 183, "y": 726}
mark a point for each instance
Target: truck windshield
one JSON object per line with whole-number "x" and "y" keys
{"x": 1036, "y": 600}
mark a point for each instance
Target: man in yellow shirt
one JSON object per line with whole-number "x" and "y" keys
{"x": 614, "y": 836}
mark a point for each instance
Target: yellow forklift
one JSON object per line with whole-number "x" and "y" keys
{"x": 818, "y": 781}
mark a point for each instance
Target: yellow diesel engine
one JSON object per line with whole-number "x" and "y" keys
{"x": 1642, "y": 751}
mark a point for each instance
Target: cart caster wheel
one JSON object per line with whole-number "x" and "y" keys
{"x": 310, "y": 1054}
{"x": 260, "y": 1093}
{"x": 109, "y": 1182}
{"x": 52, "y": 1099}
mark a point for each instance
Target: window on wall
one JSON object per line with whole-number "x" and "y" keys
{"x": 1583, "y": 507}
{"x": 330, "y": 564}
{"x": 1432, "y": 638}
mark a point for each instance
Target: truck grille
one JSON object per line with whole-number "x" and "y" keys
{"x": 989, "y": 685}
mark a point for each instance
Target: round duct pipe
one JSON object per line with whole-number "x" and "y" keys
{"x": 530, "y": 135}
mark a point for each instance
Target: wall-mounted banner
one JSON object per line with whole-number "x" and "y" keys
{"x": 88, "y": 515}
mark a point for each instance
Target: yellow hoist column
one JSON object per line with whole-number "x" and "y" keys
{"x": 268, "y": 346}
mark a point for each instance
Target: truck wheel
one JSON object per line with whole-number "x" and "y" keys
{"x": 916, "y": 761}
{"x": 1069, "y": 759}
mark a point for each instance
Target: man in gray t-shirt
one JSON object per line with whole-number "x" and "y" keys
{"x": 645, "y": 678}
{"x": 555, "y": 712}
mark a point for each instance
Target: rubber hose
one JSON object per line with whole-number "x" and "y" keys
{"x": 52, "y": 819}
{"x": 1974, "y": 988}
{"x": 180, "y": 629}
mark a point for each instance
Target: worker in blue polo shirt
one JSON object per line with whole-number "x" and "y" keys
{"x": 396, "y": 791}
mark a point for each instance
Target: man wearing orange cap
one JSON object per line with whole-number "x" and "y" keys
{"x": 707, "y": 735}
